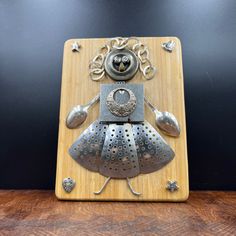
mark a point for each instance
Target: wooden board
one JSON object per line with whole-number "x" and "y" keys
{"x": 165, "y": 91}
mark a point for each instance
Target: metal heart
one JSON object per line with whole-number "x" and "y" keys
{"x": 68, "y": 184}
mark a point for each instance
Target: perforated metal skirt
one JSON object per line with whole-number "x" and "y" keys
{"x": 121, "y": 151}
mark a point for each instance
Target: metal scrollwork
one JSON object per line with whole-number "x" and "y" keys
{"x": 121, "y": 109}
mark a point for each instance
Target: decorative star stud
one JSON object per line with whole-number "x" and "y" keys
{"x": 172, "y": 186}
{"x": 169, "y": 46}
{"x": 75, "y": 47}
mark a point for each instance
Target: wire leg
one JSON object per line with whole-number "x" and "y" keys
{"x": 103, "y": 186}
{"x": 131, "y": 189}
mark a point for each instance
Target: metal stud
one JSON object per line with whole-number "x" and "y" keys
{"x": 68, "y": 184}
{"x": 172, "y": 186}
{"x": 169, "y": 46}
{"x": 75, "y": 47}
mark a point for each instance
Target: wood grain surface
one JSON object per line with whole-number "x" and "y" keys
{"x": 40, "y": 213}
{"x": 165, "y": 91}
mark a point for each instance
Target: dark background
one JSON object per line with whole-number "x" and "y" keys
{"x": 32, "y": 34}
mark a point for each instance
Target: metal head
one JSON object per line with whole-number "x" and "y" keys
{"x": 121, "y": 64}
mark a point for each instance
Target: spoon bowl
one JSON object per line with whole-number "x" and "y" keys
{"x": 167, "y": 122}
{"x": 76, "y": 117}
{"x": 78, "y": 114}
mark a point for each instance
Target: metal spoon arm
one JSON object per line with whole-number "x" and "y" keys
{"x": 165, "y": 121}
{"x": 93, "y": 101}
{"x": 78, "y": 114}
{"x": 151, "y": 106}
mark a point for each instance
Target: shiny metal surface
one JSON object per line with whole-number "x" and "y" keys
{"x": 108, "y": 180}
{"x": 119, "y": 156}
{"x": 78, "y": 114}
{"x": 68, "y": 184}
{"x": 152, "y": 150}
{"x": 165, "y": 121}
{"x": 131, "y": 188}
{"x": 103, "y": 186}
{"x": 169, "y": 46}
{"x": 121, "y": 64}
{"x": 122, "y": 97}
{"x": 86, "y": 150}
{"x": 172, "y": 186}
{"x": 75, "y": 47}
{"x": 121, "y": 151}
{"x": 121, "y": 109}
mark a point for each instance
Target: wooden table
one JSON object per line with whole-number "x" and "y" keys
{"x": 40, "y": 213}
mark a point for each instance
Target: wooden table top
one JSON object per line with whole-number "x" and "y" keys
{"x": 40, "y": 213}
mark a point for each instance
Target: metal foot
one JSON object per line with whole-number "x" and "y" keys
{"x": 103, "y": 186}
{"x": 131, "y": 189}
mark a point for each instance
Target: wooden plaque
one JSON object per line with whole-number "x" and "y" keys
{"x": 165, "y": 91}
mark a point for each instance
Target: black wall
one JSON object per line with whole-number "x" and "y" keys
{"x": 32, "y": 34}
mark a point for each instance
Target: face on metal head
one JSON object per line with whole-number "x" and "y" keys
{"x": 121, "y": 65}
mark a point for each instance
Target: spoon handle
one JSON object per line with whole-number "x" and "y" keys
{"x": 151, "y": 106}
{"x": 93, "y": 101}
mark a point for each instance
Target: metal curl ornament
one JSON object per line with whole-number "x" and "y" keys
{"x": 132, "y": 44}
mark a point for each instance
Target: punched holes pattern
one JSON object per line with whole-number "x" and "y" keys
{"x": 151, "y": 148}
{"x": 89, "y": 146}
{"x": 119, "y": 151}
